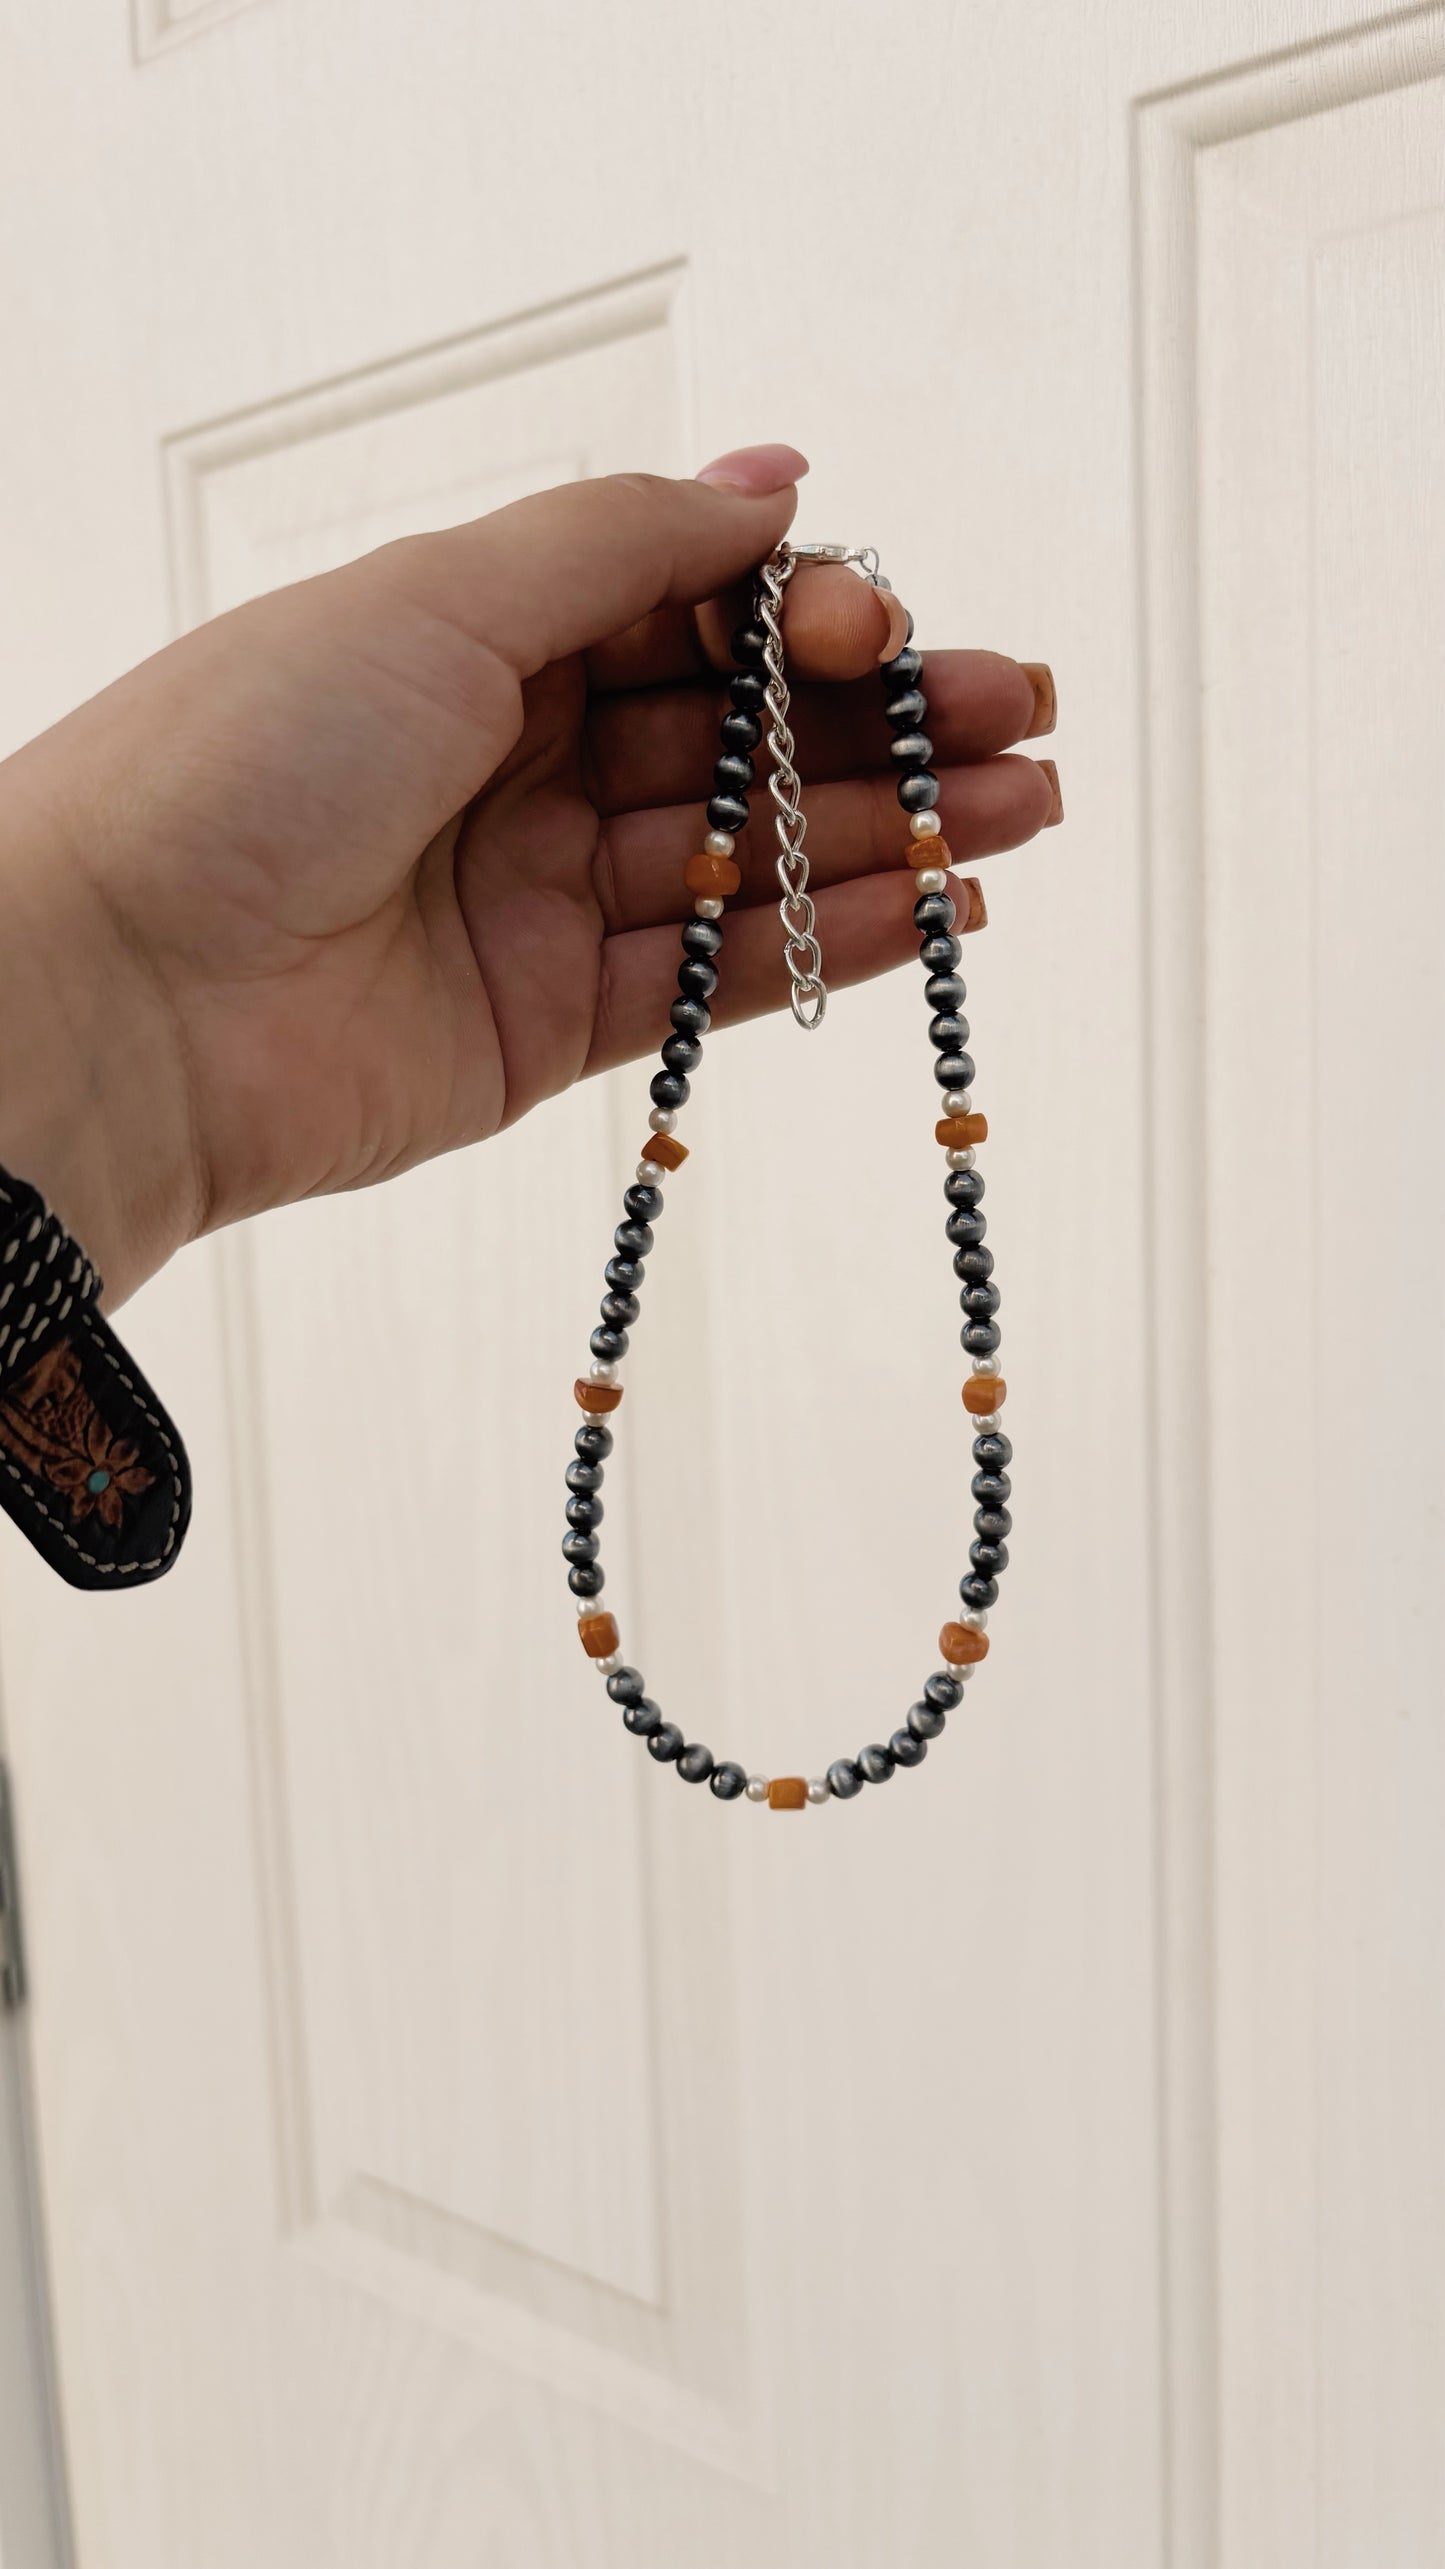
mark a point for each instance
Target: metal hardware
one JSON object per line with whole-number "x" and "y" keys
{"x": 801, "y": 950}
{"x": 12, "y": 1950}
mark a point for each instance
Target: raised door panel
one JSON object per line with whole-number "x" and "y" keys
{"x": 1294, "y": 389}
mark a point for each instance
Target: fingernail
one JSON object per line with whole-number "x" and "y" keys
{"x": 755, "y": 471}
{"x": 897, "y": 614}
{"x": 976, "y": 915}
{"x": 1046, "y": 703}
{"x": 1056, "y": 812}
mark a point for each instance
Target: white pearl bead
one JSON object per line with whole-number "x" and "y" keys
{"x": 609, "y": 1666}
{"x": 602, "y": 1373}
{"x": 963, "y": 1674}
{"x": 820, "y": 1790}
{"x": 975, "y": 1617}
{"x": 756, "y": 1788}
{"x": 926, "y": 825}
{"x": 955, "y": 1101}
{"x": 967, "y": 1096}
{"x": 929, "y": 878}
{"x": 708, "y": 908}
{"x": 649, "y": 1174}
{"x": 960, "y": 1159}
{"x": 987, "y": 1365}
{"x": 719, "y": 843}
{"x": 663, "y": 1119}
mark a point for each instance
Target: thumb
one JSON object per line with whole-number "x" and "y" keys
{"x": 560, "y": 572}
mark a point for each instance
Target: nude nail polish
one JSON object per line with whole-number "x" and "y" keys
{"x": 1056, "y": 814}
{"x": 1046, "y": 703}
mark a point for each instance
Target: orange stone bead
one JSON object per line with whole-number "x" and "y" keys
{"x": 960, "y": 1132}
{"x": 788, "y": 1793}
{"x": 714, "y": 876}
{"x": 962, "y": 1644}
{"x": 598, "y": 1635}
{"x": 663, "y": 1151}
{"x": 598, "y": 1398}
{"x": 983, "y": 1394}
{"x": 929, "y": 851}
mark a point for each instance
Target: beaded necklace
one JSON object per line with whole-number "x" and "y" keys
{"x": 759, "y": 693}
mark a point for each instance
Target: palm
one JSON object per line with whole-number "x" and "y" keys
{"x": 367, "y": 893}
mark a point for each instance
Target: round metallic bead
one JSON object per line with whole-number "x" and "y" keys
{"x": 719, "y": 843}
{"x": 708, "y": 908}
{"x": 959, "y": 1159}
{"x": 845, "y": 1778}
{"x": 649, "y": 1174}
{"x": 930, "y": 878}
{"x": 756, "y": 1788}
{"x": 925, "y": 824}
{"x": 819, "y": 1789}
{"x": 957, "y": 1101}
{"x": 663, "y": 1119}
{"x": 600, "y": 1373}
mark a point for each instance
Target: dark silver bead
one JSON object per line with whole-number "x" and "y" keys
{"x": 980, "y": 1337}
{"x": 919, "y": 792}
{"x": 609, "y": 1346}
{"x": 702, "y": 937}
{"x": 665, "y": 1743}
{"x": 845, "y": 1777}
{"x": 912, "y": 749}
{"x": 681, "y": 1053}
{"x": 580, "y": 1548}
{"x": 584, "y": 1512}
{"x": 906, "y": 711}
{"x": 992, "y": 1451}
{"x": 593, "y": 1441}
{"x": 642, "y": 1718}
{"x": 943, "y": 1690}
{"x": 945, "y": 993}
{"x": 907, "y": 1749}
{"x": 620, "y": 1310}
{"x": 625, "y": 1686}
{"x": 695, "y": 1764}
{"x": 940, "y": 953}
{"x": 741, "y": 730}
{"x": 903, "y": 670}
{"x": 727, "y": 1781}
{"x": 953, "y": 1070}
{"x": 727, "y": 812}
{"x": 925, "y": 1721}
{"x": 587, "y": 1579}
{"x": 933, "y": 914}
{"x": 696, "y": 979}
{"x": 668, "y": 1088}
{"x": 876, "y": 1762}
{"x": 993, "y": 1525}
{"x": 589, "y": 1476}
{"x": 642, "y": 1203}
{"x": 733, "y": 774}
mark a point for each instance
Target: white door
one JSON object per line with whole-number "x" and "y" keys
{"x": 455, "y": 2144}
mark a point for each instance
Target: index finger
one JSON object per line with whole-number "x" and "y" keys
{"x": 834, "y": 626}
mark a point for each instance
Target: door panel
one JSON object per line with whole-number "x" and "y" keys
{"x": 456, "y": 2143}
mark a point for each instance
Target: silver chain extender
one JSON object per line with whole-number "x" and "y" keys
{"x": 801, "y": 950}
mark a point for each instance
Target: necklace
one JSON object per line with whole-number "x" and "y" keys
{"x": 759, "y": 694}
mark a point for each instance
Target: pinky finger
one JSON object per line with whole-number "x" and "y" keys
{"x": 865, "y": 927}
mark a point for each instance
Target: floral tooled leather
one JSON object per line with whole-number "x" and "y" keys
{"x": 50, "y": 1424}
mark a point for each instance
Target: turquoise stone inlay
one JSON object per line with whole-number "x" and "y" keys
{"x": 98, "y": 1481}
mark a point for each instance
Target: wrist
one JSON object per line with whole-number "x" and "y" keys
{"x": 93, "y": 1101}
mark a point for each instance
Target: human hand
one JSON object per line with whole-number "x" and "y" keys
{"x": 364, "y": 870}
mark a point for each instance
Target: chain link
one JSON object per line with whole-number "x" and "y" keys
{"x": 801, "y": 950}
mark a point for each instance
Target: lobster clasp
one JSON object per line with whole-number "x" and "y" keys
{"x": 861, "y": 558}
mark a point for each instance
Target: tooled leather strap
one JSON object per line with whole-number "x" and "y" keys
{"x": 91, "y": 1468}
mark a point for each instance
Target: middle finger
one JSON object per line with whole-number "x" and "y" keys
{"x": 657, "y": 745}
